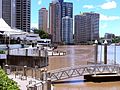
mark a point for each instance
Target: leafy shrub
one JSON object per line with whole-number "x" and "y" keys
{"x": 6, "y": 83}
{"x": 2, "y": 52}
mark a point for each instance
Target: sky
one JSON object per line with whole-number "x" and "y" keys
{"x": 109, "y": 11}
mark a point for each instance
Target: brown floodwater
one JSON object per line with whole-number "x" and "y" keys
{"x": 77, "y": 55}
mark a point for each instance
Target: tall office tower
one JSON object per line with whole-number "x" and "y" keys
{"x": 58, "y": 10}
{"x": 86, "y": 27}
{"x": 55, "y": 21}
{"x": 6, "y": 11}
{"x": 67, "y": 9}
{"x": 67, "y": 30}
{"x": 43, "y": 19}
{"x": 23, "y": 8}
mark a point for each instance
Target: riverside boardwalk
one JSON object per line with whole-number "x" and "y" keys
{"x": 27, "y": 77}
{"x": 25, "y": 84}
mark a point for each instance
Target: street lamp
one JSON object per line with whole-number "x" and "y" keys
{"x": 96, "y": 51}
{"x": 105, "y": 52}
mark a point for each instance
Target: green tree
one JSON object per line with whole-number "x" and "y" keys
{"x": 6, "y": 83}
{"x": 2, "y": 52}
{"x": 116, "y": 40}
{"x": 41, "y": 33}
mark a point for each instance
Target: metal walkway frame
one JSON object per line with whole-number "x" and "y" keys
{"x": 70, "y": 72}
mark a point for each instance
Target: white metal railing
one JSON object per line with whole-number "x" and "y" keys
{"x": 35, "y": 52}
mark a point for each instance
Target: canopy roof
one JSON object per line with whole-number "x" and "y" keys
{"x": 6, "y": 29}
{"x": 3, "y": 24}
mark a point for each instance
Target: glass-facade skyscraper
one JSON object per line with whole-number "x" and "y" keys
{"x": 58, "y": 10}
{"x": 67, "y": 30}
{"x": 67, "y": 9}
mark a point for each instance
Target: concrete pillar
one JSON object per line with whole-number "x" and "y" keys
{"x": 105, "y": 52}
{"x": 48, "y": 84}
{"x": 96, "y": 51}
{"x": 44, "y": 85}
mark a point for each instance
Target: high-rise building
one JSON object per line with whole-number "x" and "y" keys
{"x": 43, "y": 19}
{"x": 67, "y": 30}
{"x": 58, "y": 10}
{"x": 86, "y": 27}
{"x": 6, "y": 11}
{"x": 16, "y": 13}
{"x": 55, "y": 21}
{"x": 23, "y": 9}
{"x": 67, "y": 9}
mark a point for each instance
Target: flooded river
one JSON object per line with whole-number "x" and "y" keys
{"x": 77, "y": 55}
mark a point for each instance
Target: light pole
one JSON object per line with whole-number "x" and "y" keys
{"x": 96, "y": 51}
{"x": 105, "y": 52}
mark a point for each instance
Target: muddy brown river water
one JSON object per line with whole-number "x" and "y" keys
{"x": 77, "y": 55}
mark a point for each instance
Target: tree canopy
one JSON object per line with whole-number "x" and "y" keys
{"x": 41, "y": 33}
{"x": 6, "y": 83}
{"x": 116, "y": 39}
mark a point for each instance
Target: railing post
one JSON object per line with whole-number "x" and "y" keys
{"x": 26, "y": 52}
{"x": 49, "y": 84}
{"x": 39, "y": 52}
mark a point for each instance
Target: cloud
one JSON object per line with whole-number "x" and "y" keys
{"x": 103, "y": 26}
{"x": 108, "y": 18}
{"x": 88, "y": 6}
{"x": 39, "y": 2}
{"x": 34, "y": 25}
{"x": 109, "y": 5}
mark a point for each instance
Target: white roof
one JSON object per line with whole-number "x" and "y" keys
{"x": 3, "y": 24}
{"x": 7, "y": 29}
